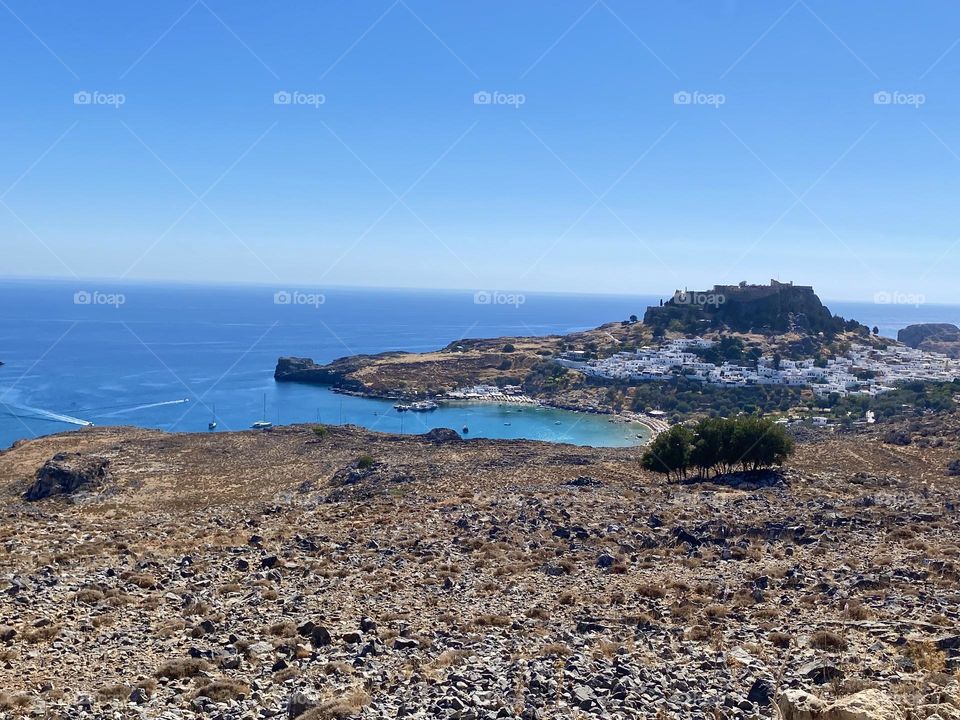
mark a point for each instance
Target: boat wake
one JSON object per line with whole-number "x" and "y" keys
{"x": 145, "y": 407}
{"x": 32, "y": 413}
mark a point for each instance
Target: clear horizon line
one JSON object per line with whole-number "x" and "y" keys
{"x": 118, "y": 281}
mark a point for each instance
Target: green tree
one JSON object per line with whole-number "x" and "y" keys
{"x": 757, "y": 443}
{"x": 711, "y": 435}
{"x": 669, "y": 453}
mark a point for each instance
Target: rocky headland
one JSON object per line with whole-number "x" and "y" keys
{"x": 336, "y": 572}
{"x": 942, "y": 338}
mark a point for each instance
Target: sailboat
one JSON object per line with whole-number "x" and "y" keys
{"x": 263, "y": 424}
{"x": 212, "y": 425}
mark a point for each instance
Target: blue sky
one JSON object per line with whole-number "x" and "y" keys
{"x": 783, "y": 165}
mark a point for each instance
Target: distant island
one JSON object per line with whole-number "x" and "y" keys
{"x": 772, "y": 348}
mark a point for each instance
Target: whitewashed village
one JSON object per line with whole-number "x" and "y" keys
{"x": 862, "y": 369}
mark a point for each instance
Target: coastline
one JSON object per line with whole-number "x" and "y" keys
{"x": 654, "y": 425}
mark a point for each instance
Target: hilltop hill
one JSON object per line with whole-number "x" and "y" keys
{"x": 774, "y": 308}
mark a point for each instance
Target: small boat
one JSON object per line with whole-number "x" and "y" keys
{"x": 506, "y": 423}
{"x": 424, "y": 406}
{"x": 263, "y": 424}
{"x": 400, "y": 407}
{"x": 212, "y": 425}
{"x": 557, "y": 422}
{"x": 465, "y": 430}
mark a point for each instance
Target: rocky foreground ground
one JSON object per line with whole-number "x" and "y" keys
{"x": 352, "y": 574}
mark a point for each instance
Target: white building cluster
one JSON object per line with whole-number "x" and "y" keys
{"x": 490, "y": 393}
{"x": 862, "y": 370}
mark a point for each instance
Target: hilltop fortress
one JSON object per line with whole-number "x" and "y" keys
{"x": 775, "y": 308}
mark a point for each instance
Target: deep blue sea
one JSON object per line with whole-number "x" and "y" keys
{"x": 168, "y": 356}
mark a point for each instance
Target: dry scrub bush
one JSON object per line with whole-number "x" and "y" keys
{"x": 223, "y": 690}
{"x": 41, "y": 634}
{"x": 113, "y": 692}
{"x": 651, "y": 591}
{"x": 88, "y": 596}
{"x": 338, "y": 708}
{"x": 182, "y": 668}
{"x": 827, "y": 640}
{"x": 780, "y": 639}
{"x": 925, "y": 655}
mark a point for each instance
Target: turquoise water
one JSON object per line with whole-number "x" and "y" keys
{"x": 490, "y": 421}
{"x": 167, "y": 357}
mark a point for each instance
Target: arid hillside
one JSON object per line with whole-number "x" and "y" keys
{"x": 347, "y": 573}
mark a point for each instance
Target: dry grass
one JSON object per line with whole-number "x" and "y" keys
{"x": 283, "y": 629}
{"x": 114, "y": 692}
{"x": 449, "y": 658}
{"x": 336, "y": 708}
{"x": 490, "y": 620}
{"x": 289, "y": 673}
{"x": 856, "y": 610}
{"x": 144, "y": 581}
{"x": 555, "y": 649}
{"x": 780, "y": 639}
{"x": 827, "y": 640}
{"x": 651, "y": 591}
{"x": 538, "y": 613}
{"x": 41, "y": 634}
{"x": 716, "y": 612}
{"x": 88, "y": 596}
{"x": 223, "y": 690}
{"x": 925, "y": 655}
{"x": 182, "y": 668}
{"x": 15, "y": 702}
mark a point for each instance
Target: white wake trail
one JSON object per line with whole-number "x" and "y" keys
{"x": 50, "y": 415}
{"x": 145, "y": 407}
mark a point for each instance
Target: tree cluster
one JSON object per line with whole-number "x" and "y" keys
{"x": 718, "y": 445}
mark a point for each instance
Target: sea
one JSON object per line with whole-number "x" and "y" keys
{"x": 176, "y": 356}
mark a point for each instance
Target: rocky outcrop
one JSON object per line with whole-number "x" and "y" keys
{"x": 442, "y": 436}
{"x": 799, "y": 705}
{"x": 865, "y": 705}
{"x": 336, "y": 374}
{"x": 777, "y": 307}
{"x": 65, "y": 474}
{"x": 932, "y": 337}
